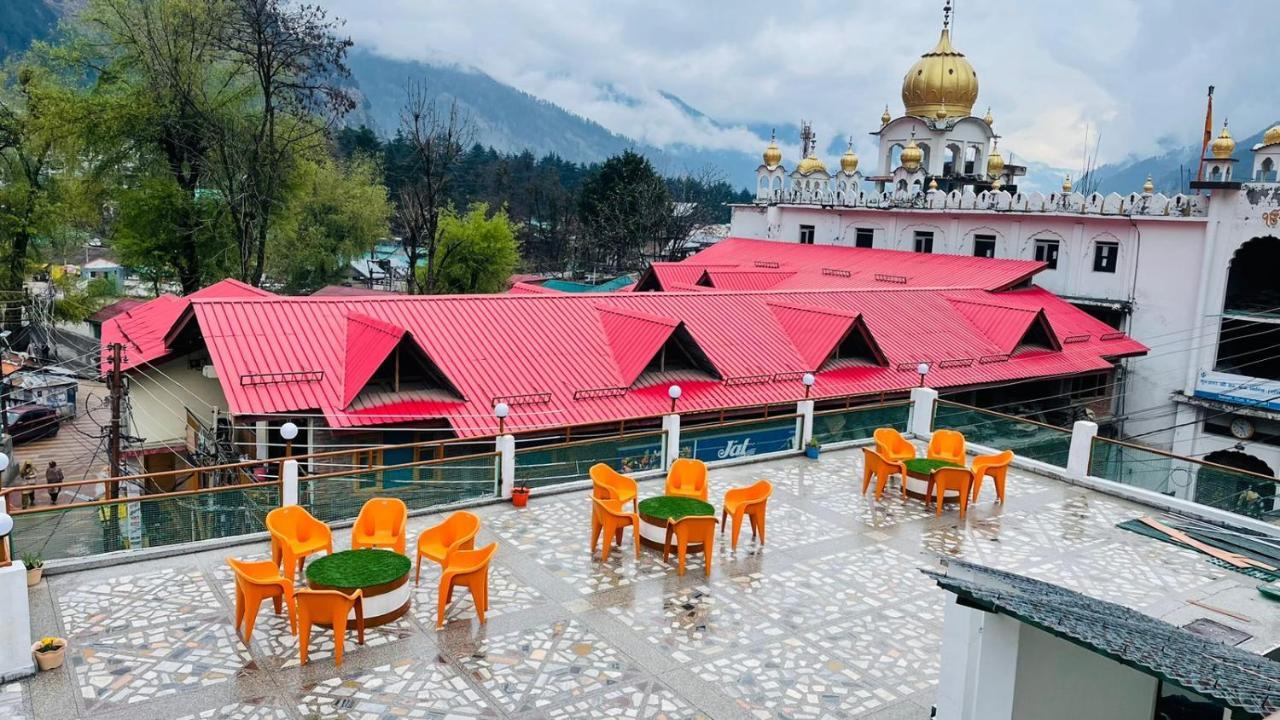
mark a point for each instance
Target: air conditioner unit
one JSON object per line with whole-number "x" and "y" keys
{"x": 210, "y": 372}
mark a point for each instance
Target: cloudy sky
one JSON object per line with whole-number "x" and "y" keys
{"x": 1135, "y": 72}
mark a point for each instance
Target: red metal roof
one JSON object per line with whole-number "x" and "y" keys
{"x": 749, "y": 264}
{"x": 369, "y": 342}
{"x": 562, "y": 359}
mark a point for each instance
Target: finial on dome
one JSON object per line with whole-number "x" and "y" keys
{"x": 1224, "y": 145}
{"x": 772, "y": 153}
{"x": 1148, "y": 187}
{"x": 1066, "y": 183}
{"x": 912, "y": 155}
{"x": 942, "y": 111}
{"x": 849, "y": 161}
{"x": 988, "y": 119}
{"x": 933, "y": 183}
{"x": 885, "y": 117}
{"x": 946, "y": 14}
{"x": 996, "y": 185}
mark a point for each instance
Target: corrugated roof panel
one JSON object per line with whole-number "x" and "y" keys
{"x": 813, "y": 331}
{"x": 369, "y": 342}
{"x": 1004, "y": 325}
{"x": 634, "y": 338}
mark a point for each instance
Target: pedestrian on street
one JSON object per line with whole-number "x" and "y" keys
{"x": 28, "y": 478}
{"x": 53, "y": 476}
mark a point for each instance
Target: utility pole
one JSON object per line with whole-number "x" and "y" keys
{"x": 113, "y": 440}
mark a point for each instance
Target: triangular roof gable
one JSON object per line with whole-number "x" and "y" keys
{"x": 634, "y": 338}
{"x": 681, "y": 342}
{"x": 1039, "y": 334}
{"x": 814, "y": 332}
{"x": 1006, "y": 327}
{"x": 743, "y": 279}
{"x": 369, "y": 342}
{"x": 863, "y": 340}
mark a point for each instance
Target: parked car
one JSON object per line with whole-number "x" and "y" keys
{"x": 31, "y": 422}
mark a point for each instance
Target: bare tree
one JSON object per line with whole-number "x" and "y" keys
{"x": 693, "y": 208}
{"x": 436, "y": 141}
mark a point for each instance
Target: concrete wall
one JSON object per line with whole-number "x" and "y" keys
{"x": 1057, "y": 680}
{"x": 159, "y": 398}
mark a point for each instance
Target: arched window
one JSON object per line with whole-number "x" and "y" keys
{"x": 970, "y": 159}
{"x": 902, "y": 185}
{"x": 1215, "y": 174}
{"x": 895, "y": 156}
{"x": 950, "y": 160}
{"x": 1238, "y": 492}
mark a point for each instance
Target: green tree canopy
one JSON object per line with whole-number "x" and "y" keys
{"x": 477, "y": 251}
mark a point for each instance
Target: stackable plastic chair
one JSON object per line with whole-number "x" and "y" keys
{"x": 608, "y": 517}
{"x": 609, "y": 483}
{"x": 946, "y": 445}
{"x": 695, "y": 528}
{"x": 995, "y": 467}
{"x": 874, "y": 464}
{"x": 295, "y": 534}
{"x": 950, "y": 478}
{"x": 381, "y": 524}
{"x": 749, "y": 501}
{"x": 255, "y": 582}
{"x": 332, "y": 607}
{"x": 469, "y": 568}
{"x": 688, "y": 478}
{"x": 892, "y": 446}
{"x": 436, "y": 543}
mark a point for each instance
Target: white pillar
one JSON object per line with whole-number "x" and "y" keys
{"x": 671, "y": 426}
{"x": 1082, "y": 434}
{"x": 804, "y": 409}
{"x": 260, "y": 440}
{"x": 289, "y": 483}
{"x": 15, "y": 631}
{"x": 920, "y": 419}
{"x": 979, "y": 664}
{"x": 506, "y": 447}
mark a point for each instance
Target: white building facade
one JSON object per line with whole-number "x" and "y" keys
{"x": 1195, "y": 277}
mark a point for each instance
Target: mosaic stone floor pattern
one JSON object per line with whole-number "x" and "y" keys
{"x": 831, "y": 618}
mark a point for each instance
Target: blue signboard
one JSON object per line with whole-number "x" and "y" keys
{"x": 739, "y": 443}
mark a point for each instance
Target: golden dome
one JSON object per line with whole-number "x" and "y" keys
{"x": 1223, "y": 146}
{"x": 1066, "y": 184}
{"x": 885, "y": 117}
{"x": 1271, "y": 136}
{"x": 911, "y": 156}
{"x": 941, "y": 114}
{"x": 995, "y": 163}
{"x": 810, "y": 164}
{"x": 933, "y": 183}
{"x": 988, "y": 119}
{"x": 996, "y": 185}
{"x": 849, "y": 160}
{"x": 939, "y": 78}
{"x": 772, "y": 154}
{"x": 1148, "y": 187}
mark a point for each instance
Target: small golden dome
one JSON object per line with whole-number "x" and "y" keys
{"x": 849, "y": 160}
{"x": 996, "y": 185}
{"x": 885, "y": 117}
{"x": 940, "y": 77}
{"x": 772, "y": 154}
{"x": 1222, "y": 147}
{"x": 912, "y": 156}
{"x": 995, "y": 163}
{"x": 988, "y": 119}
{"x": 1148, "y": 187}
{"x": 1066, "y": 184}
{"x": 933, "y": 183}
{"x": 942, "y": 112}
{"x": 1271, "y": 136}
{"x": 810, "y": 164}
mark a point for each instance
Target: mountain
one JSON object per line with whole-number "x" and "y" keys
{"x": 1171, "y": 170}
{"x": 22, "y": 21}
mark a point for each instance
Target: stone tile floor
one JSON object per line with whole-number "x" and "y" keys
{"x": 830, "y": 619}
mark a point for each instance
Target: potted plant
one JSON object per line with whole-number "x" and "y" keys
{"x": 520, "y": 494}
{"x": 811, "y": 450}
{"x": 50, "y": 652}
{"x": 35, "y": 567}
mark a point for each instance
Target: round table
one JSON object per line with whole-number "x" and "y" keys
{"x": 656, "y": 511}
{"x": 382, "y": 575}
{"x": 917, "y": 480}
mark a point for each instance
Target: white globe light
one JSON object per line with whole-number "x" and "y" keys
{"x": 501, "y": 411}
{"x": 808, "y": 379}
{"x": 674, "y": 392}
{"x": 923, "y": 368}
{"x": 6, "y": 524}
{"x": 4, "y": 462}
{"x": 288, "y": 431}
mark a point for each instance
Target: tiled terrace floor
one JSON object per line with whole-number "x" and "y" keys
{"x": 831, "y": 619}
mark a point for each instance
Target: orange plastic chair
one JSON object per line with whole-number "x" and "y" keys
{"x": 994, "y": 466}
{"x": 950, "y": 478}
{"x": 750, "y": 501}
{"x": 295, "y": 534}
{"x": 946, "y": 445}
{"x": 874, "y": 464}
{"x": 255, "y": 582}
{"x": 381, "y": 524}
{"x": 332, "y": 607}
{"x": 469, "y": 568}
{"x": 609, "y": 517}
{"x": 688, "y": 478}
{"x": 892, "y": 446}
{"x": 696, "y": 528}
{"x": 609, "y": 483}
{"x": 436, "y": 543}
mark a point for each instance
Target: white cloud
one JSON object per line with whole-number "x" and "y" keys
{"x": 1134, "y": 71}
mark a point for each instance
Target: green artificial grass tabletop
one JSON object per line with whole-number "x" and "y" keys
{"x": 674, "y": 508}
{"x": 358, "y": 568}
{"x": 926, "y": 466}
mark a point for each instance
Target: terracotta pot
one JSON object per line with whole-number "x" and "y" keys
{"x": 519, "y": 497}
{"x": 34, "y": 575}
{"x": 52, "y": 659}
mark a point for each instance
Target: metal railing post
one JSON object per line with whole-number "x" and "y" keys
{"x": 506, "y": 447}
{"x": 671, "y": 426}
{"x": 920, "y": 421}
{"x": 1082, "y": 434}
